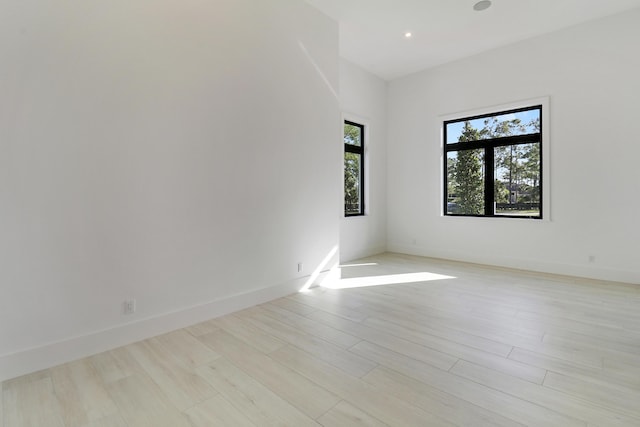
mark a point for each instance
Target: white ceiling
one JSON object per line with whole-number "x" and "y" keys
{"x": 372, "y": 31}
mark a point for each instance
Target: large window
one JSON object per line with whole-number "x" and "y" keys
{"x": 353, "y": 169}
{"x": 493, "y": 164}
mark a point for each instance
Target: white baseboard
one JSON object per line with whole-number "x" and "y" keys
{"x": 584, "y": 271}
{"x": 46, "y": 356}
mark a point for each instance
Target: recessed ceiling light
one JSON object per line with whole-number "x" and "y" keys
{"x": 482, "y": 5}
{"x": 408, "y": 35}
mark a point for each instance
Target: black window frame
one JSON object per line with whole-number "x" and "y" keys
{"x": 488, "y": 146}
{"x": 359, "y": 150}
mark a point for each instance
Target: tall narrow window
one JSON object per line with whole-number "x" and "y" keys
{"x": 353, "y": 169}
{"x": 493, "y": 164}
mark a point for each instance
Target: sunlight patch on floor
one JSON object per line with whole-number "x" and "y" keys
{"x": 389, "y": 279}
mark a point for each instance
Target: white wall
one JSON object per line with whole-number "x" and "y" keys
{"x": 174, "y": 152}
{"x": 590, "y": 73}
{"x": 363, "y": 99}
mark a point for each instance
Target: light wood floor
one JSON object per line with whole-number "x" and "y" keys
{"x": 466, "y": 346}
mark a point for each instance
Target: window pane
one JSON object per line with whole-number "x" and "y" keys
{"x": 465, "y": 182}
{"x": 517, "y": 180}
{"x": 498, "y": 126}
{"x": 352, "y": 135}
{"x": 352, "y": 193}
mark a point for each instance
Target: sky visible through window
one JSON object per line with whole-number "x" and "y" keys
{"x": 454, "y": 130}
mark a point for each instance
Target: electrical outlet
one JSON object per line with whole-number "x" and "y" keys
{"x": 129, "y": 306}
{"x": 592, "y": 259}
{"x": 300, "y": 267}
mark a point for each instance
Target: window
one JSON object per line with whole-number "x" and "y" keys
{"x": 493, "y": 164}
{"x": 353, "y": 169}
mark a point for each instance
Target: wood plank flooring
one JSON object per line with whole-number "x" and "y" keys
{"x": 466, "y": 346}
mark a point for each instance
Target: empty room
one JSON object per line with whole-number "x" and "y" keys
{"x": 319, "y": 213}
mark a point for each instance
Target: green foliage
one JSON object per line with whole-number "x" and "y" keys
{"x": 352, "y": 182}
{"x": 531, "y": 171}
{"x": 352, "y": 134}
{"x": 451, "y": 178}
{"x": 469, "y": 184}
{"x": 501, "y": 193}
